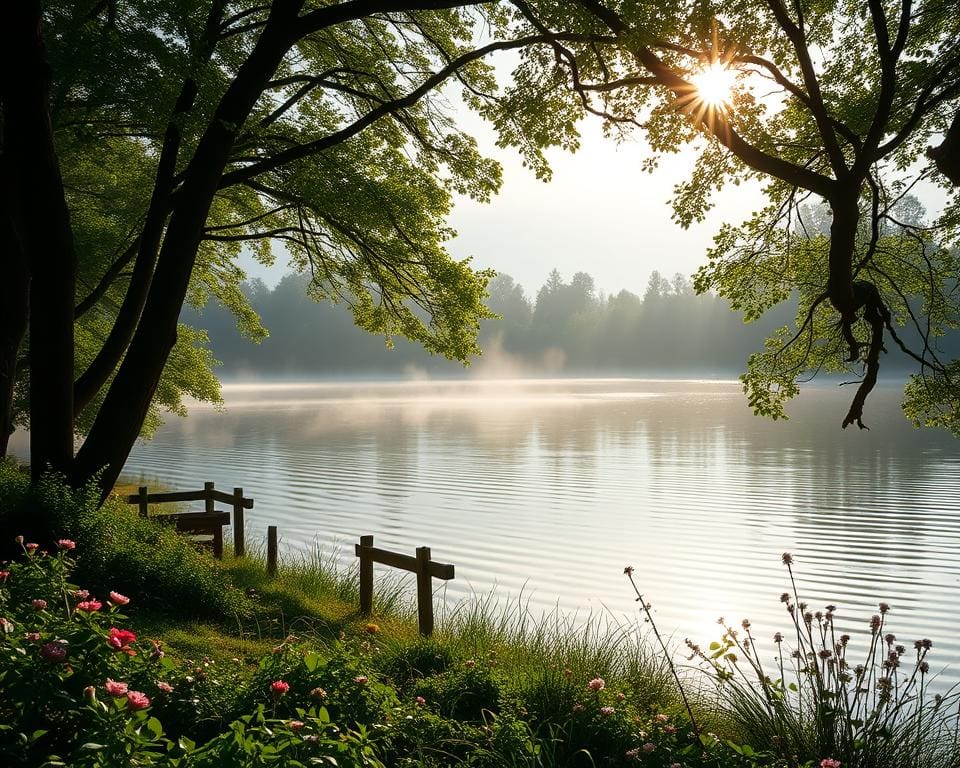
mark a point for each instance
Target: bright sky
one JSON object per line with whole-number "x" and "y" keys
{"x": 600, "y": 214}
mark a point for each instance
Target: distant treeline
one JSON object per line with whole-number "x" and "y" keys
{"x": 569, "y": 328}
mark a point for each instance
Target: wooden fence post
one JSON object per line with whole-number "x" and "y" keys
{"x": 271, "y": 550}
{"x": 239, "y": 545}
{"x": 424, "y": 592}
{"x": 208, "y": 498}
{"x": 143, "y": 501}
{"x": 366, "y": 575}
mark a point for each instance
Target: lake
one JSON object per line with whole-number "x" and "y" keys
{"x": 546, "y": 489}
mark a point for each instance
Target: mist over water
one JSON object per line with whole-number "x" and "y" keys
{"x": 546, "y": 489}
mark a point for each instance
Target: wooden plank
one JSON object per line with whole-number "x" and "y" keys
{"x": 393, "y": 559}
{"x": 208, "y": 497}
{"x": 218, "y": 542}
{"x": 443, "y": 571}
{"x": 217, "y": 517}
{"x": 424, "y": 592}
{"x": 160, "y": 498}
{"x": 228, "y": 498}
{"x": 364, "y": 550}
{"x": 142, "y": 499}
{"x": 271, "y": 550}
{"x": 239, "y": 544}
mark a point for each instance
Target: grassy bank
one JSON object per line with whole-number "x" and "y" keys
{"x": 243, "y": 669}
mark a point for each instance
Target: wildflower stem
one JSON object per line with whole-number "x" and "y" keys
{"x": 666, "y": 655}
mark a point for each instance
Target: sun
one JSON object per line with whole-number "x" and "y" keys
{"x": 714, "y": 85}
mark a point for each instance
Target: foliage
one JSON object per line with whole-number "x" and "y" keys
{"x": 137, "y": 556}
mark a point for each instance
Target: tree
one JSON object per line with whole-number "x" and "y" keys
{"x": 145, "y": 143}
{"x": 657, "y": 286}
{"x": 830, "y": 101}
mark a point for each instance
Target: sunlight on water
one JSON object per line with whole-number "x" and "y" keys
{"x": 550, "y": 488}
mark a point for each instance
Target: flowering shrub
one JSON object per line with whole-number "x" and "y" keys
{"x": 81, "y": 689}
{"x": 75, "y": 681}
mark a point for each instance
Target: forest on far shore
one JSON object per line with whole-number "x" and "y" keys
{"x": 568, "y": 328}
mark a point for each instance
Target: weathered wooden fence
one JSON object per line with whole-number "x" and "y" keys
{"x": 210, "y": 522}
{"x": 425, "y": 569}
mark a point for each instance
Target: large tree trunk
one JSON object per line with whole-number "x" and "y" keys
{"x": 947, "y": 155}
{"x": 14, "y": 312}
{"x": 127, "y": 402}
{"x": 43, "y": 224}
{"x": 843, "y": 239}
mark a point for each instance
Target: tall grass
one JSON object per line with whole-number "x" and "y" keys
{"x": 823, "y": 700}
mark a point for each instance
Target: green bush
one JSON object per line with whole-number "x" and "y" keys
{"x": 139, "y": 557}
{"x": 469, "y": 691}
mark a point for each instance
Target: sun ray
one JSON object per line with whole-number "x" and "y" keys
{"x": 714, "y": 84}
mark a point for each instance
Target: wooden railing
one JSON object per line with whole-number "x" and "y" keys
{"x": 210, "y": 522}
{"x": 425, "y": 568}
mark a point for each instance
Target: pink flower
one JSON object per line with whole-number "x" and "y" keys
{"x": 55, "y": 651}
{"x": 279, "y": 687}
{"x": 66, "y": 544}
{"x": 632, "y": 754}
{"x": 295, "y": 725}
{"x": 80, "y": 594}
{"x": 829, "y": 762}
{"x": 597, "y": 684}
{"x": 670, "y": 729}
{"x": 4, "y": 575}
{"x": 39, "y": 605}
{"x": 661, "y": 718}
{"x": 120, "y": 640}
{"x": 89, "y": 606}
{"x": 90, "y": 693}
{"x": 165, "y": 687}
{"x": 31, "y": 547}
{"x": 137, "y": 700}
{"x": 648, "y": 747}
{"x": 117, "y": 599}
{"x": 115, "y": 688}
{"x": 32, "y": 636}
{"x": 19, "y": 539}
{"x": 607, "y": 711}
{"x": 360, "y": 679}
{"x": 420, "y": 701}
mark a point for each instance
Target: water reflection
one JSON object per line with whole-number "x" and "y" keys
{"x": 554, "y": 486}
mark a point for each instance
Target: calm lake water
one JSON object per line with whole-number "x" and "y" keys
{"x": 547, "y": 489}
